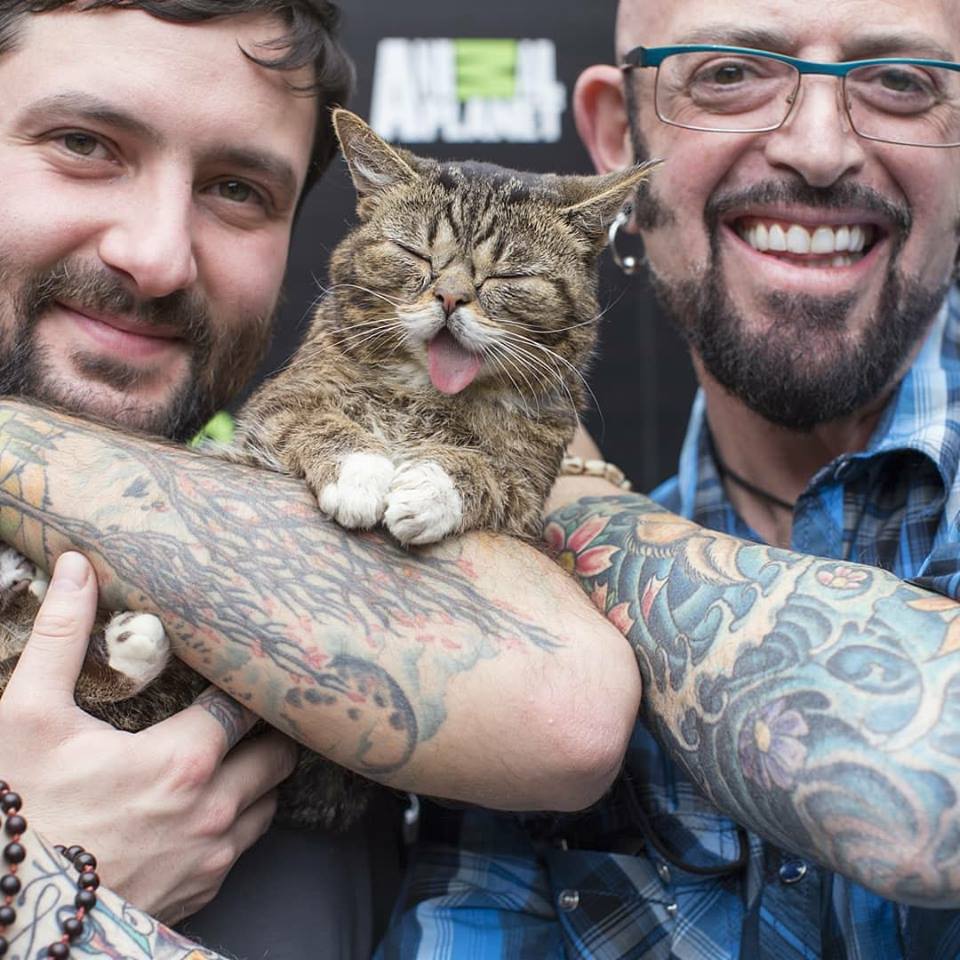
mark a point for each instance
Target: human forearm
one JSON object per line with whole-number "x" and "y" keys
{"x": 475, "y": 639}
{"x": 114, "y": 927}
{"x": 810, "y": 699}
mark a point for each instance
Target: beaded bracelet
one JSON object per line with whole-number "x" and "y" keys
{"x": 14, "y": 854}
{"x": 578, "y": 467}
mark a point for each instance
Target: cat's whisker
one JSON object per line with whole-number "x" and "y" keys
{"x": 525, "y": 361}
{"x": 542, "y": 330}
{"x": 360, "y": 330}
{"x": 365, "y": 338}
{"x": 378, "y": 324}
{"x": 373, "y": 293}
{"x": 499, "y": 357}
{"x": 566, "y": 363}
{"x": 543, "y": 366}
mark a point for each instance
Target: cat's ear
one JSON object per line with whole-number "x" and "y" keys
{"x": 593, "y": 202}
{"x": 374, "y": 165}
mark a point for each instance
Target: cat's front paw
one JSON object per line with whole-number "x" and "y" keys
{"x": 137, "y": 646}
{"x": 423, "y": 505}
{"x": 358, "y": 497}
{"x": 17, "y": 574}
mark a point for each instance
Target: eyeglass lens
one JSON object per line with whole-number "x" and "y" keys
{"x": 897, "y": 102}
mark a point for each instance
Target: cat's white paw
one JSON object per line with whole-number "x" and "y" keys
{"x": 17, "y": 574}
{"x": 423, "y": 505}
{"x": 137, "y": 646}
{"x": 40, "y": 585}
{"x": 357, "y": 499}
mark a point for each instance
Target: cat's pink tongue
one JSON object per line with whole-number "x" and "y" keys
{"x": 452, "y": 367}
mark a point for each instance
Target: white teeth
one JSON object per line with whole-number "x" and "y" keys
{"x": 822, "y": 241}
{"x": 778, "y": 239}
{"x": 798, "y": 240}
{"x": 841, "y": 261}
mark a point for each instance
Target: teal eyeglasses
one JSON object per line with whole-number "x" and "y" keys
{"x": 907, "y": 101}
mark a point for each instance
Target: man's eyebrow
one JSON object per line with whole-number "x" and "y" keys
{"x": 895, "y": 45}
{"x": 737, "y": 35}
{"x": 92, "y": 109}
{"x": 866, "y": 47}
{"x": 257, "y": 163}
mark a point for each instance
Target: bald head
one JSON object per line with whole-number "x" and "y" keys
{"x": 628, "y": 25}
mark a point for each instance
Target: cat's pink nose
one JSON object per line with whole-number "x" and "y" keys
{"x": 450, "y": 301}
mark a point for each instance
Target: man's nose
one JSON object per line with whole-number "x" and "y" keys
{"x": 151, "y": 241}
{"x": 816, "y": 140}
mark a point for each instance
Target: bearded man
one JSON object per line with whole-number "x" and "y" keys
{"x": 793, "y": 786}
{"x": 153, "y": 157}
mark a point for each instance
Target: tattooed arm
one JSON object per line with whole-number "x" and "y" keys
{"x": 816, "y": 702}
{"x": 113, "y": 929}
{"x": 414, "y": 668}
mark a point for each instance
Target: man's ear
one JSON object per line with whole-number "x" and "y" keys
{"x": 374, "y": 165}
{"x": 600, "y": 111}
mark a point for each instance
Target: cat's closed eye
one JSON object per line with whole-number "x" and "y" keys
{"x": 504, "y": 277}
{"x": 417, "y": 254}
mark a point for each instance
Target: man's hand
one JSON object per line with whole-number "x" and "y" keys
{"x": 166, "y": 811}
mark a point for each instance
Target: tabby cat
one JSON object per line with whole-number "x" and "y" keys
{"x": 435, "y": 392}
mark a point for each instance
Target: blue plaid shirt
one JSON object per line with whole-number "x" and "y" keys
{"x": 654, "y": 871}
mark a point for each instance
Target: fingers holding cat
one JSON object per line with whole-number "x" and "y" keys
{"x": 52, "y": 659}
{"x": 167, "y": 810}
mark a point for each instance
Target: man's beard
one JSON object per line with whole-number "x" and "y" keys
{"x": 807, "y": 368}
{"x": 218, "y": 366}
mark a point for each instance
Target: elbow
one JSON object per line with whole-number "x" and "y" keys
{"x": 589, "y": 749}
{"x": 590, "y": 769}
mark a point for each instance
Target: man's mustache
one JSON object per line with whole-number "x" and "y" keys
{"x": 841, "y": 195}
{"x": 98, "y": 291}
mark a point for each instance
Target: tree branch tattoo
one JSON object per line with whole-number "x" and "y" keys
{"x": 289, "y": 614}
{"x": 815, "y": 701}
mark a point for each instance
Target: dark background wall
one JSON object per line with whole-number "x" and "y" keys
{"x": 442, "y": 92}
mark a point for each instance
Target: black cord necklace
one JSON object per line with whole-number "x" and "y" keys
{"x": 725, "y": 473}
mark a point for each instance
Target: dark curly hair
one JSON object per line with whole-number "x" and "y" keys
{"x": 311, "y": 38}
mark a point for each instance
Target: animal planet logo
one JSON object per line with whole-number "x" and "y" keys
{"x": 467, "y": 91}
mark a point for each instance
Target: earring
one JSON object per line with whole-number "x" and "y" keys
{"x": 628, "y": 264}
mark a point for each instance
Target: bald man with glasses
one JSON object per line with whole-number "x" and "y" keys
{"x": 792, "y": 788}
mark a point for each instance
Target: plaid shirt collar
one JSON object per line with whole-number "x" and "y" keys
{"x": 916, "y": 419}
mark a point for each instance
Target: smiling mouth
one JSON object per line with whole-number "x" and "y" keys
{"x": 122, "y": 325}
{"x": 827, "y": 245}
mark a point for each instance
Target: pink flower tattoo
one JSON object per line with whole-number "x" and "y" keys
{"x": 574, "y": 553}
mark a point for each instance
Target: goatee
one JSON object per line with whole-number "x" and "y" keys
{"x": 809, "y": 368}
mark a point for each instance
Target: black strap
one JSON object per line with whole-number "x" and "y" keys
{"x": 725, "y": 473}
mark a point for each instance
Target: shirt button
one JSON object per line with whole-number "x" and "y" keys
{"x": 663, "y": 871}
{"x": 672, "y": 909}
{"x": 568, "y": 900}
{"x": 792, "y": 871}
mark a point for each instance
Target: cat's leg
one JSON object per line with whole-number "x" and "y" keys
{"x": 423, "y": 504}
{"x": 447, "y": 490}
{"x": 345, "y": 466}
{"x": 136, "y": 647}
{"x": 443, "y": 490}
{"x": 18, "y": 574}
{"x": 358, "y": 496}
